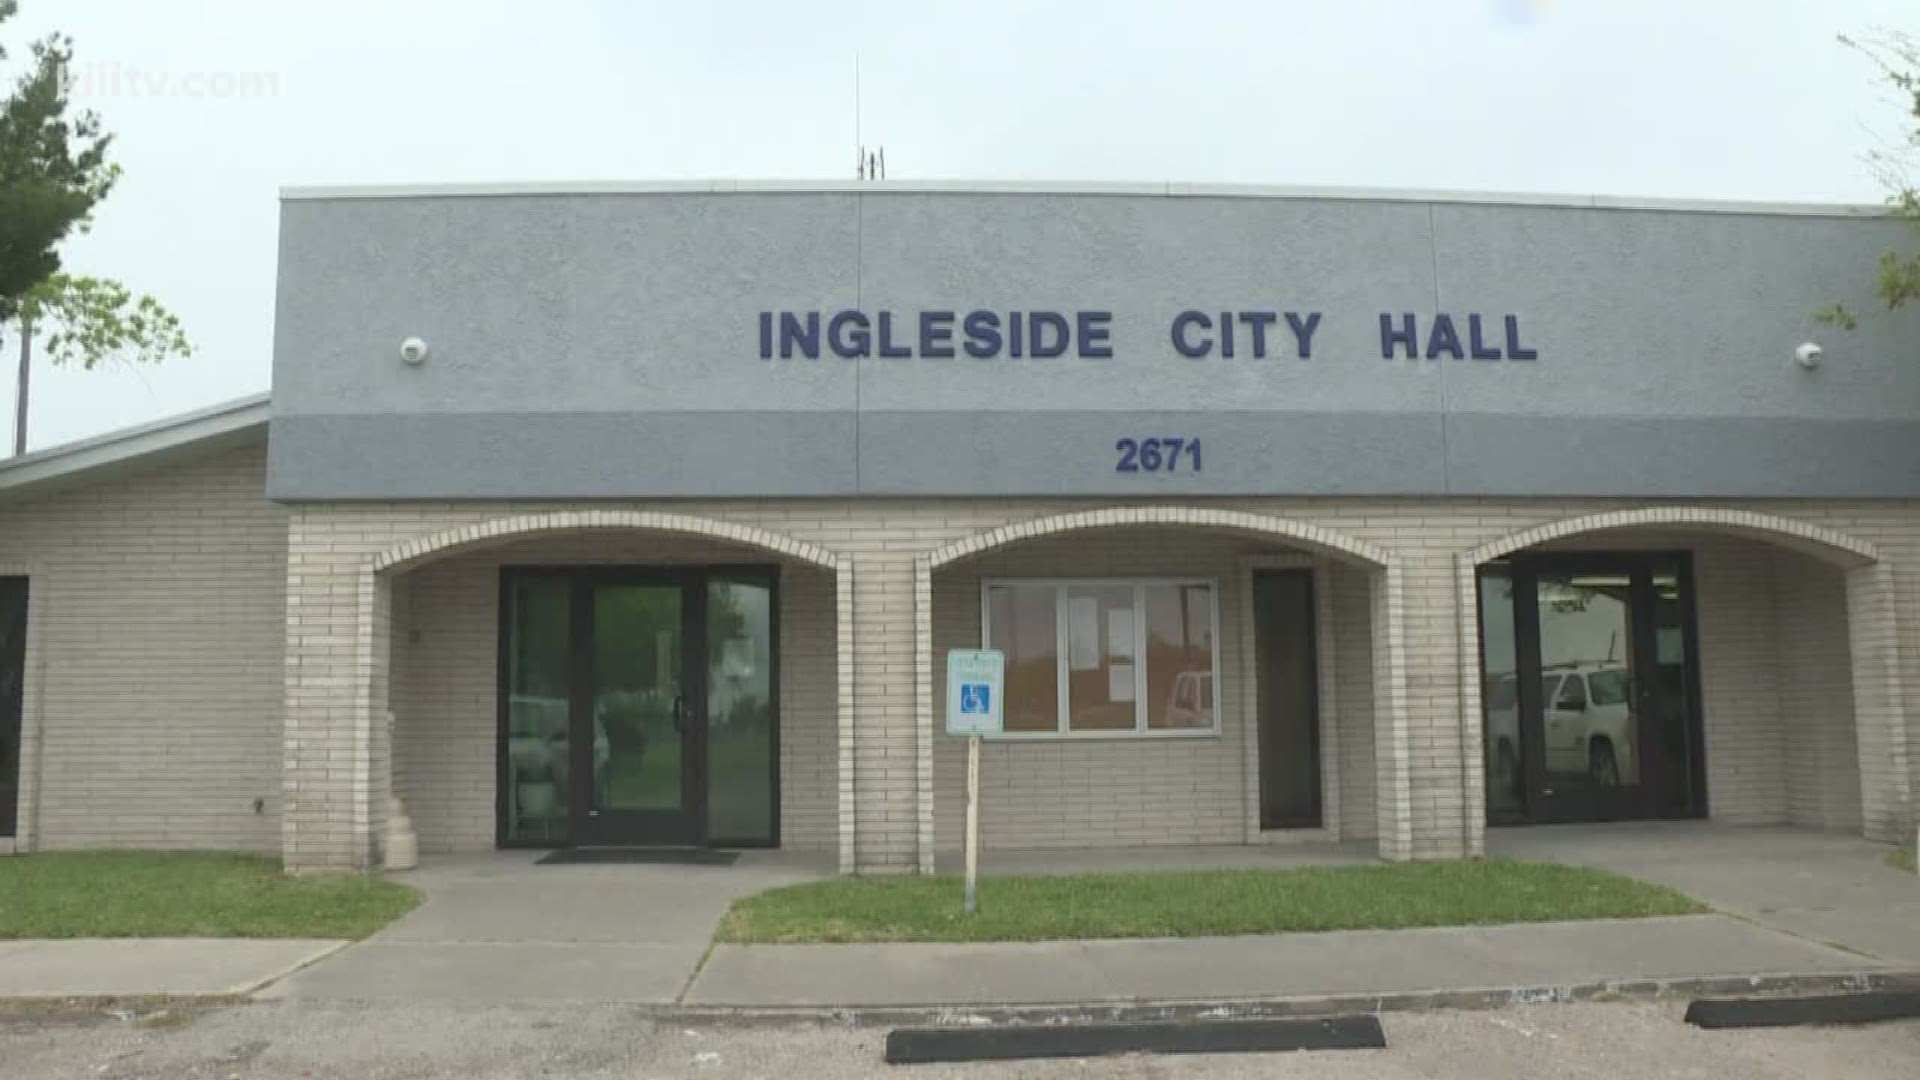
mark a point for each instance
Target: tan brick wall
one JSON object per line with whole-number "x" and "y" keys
{"x": 446, "y": 665}
{"x": 1352, "y": 657}
{"x": 153, "y": 713}
{"x": 1739, "y": 683}
{"x": 1816, "y": 696}
{"x": 1108, "y": 791}
{"x": 1430, "y": 736}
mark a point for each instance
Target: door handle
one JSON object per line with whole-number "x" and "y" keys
{"x": 680, "y": 714}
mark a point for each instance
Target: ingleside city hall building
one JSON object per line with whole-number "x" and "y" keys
{"x": 607, "y": 515}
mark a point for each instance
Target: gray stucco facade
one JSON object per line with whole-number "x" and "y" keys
{"x": 607, "y": 345}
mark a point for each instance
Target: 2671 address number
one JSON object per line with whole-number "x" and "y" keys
{"x": 1165, "y": 454}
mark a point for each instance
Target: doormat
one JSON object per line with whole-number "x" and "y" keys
{"x": 614, "y": 856}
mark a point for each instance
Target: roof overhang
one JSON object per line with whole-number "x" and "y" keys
{"x": 137, "y": 449}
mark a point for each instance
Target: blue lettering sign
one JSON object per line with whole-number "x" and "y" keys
{"x": 1092, "y": 331}
{"x": 1185, "y": 345}
{"x": 1443, "y": 339}
{"x": 1303, "y": 331}
{"x": 1515, "y": 350}
{"x": 848, "y": 334}
{"x": 936, "y": 335}
{"x": 1195, "y": 334}
{"x": 983, "y": 334}
{"x": 1392, "y": 337}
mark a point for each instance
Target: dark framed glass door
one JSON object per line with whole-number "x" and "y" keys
{"x": 13, "y": 673}
{"x": 633, "y": 739}
{"x": 1589, "y": 688}
{"x": 638, "y": 706}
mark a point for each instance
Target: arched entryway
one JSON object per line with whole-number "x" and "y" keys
{"x": 603, "y": 677}
{"x": 1683, "y": 662}
{"x": 1152, "y": 720}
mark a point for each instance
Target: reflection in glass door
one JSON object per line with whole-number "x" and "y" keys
{"x": 743, "y": 747}
{"x": 636, "y": 715}
{"x": 639, "y": 706}
{"x": 1588, "y": 689}
{"x": 1585, "y": 705}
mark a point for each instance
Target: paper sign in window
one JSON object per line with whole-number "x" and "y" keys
{"x": 1083, "y": 633}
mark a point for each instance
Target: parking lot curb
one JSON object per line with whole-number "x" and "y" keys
{"x": 964, "y": 1015}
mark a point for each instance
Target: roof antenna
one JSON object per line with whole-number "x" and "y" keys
{"x": 868, "y": 164}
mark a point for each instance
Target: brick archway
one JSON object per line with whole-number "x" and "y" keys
{"x": 1822, "y": 543}
{"x": 365, "y": 810}
{"x": 1297, "y": 533}
{"x": 1389, "y": 678}
{"x": 1872, "y": 638}
{"x": 521, "y": 526}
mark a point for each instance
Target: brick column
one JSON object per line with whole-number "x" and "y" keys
{"x": 1393, "y": 814}
{"x": 1473, "y": 735}
{"x": 1873, "y": 643}
{"x": 887, "y": 762}
{"x": 1418, "y": 708}
{"x": 845, "y": 729}
{"x": 333, "y": 605}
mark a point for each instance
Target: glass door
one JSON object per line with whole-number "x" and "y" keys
{"x": 639, "y": 706}
{"x": 632, "y": 707}
{"x": 13, "y": 671}
{"x": 1591, "y": 711}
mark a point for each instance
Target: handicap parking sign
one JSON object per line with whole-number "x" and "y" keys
{"x": 974, "y": 681}
{"x": 975, "y": 698}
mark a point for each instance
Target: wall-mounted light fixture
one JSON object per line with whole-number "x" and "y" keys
{"x": 1807, "y": 354}
{"x": 413, "y": 350}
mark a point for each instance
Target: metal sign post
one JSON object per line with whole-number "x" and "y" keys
{"x": 975, "y": 681}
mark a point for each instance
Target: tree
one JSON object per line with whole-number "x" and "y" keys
{"x": 1897, "y": 55}
{"x": 87, "y": 320}
{"x": 53, "y": 168}
{"x": 53, "y": 172}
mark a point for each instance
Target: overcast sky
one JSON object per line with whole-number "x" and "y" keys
{"x": 217, "y": 103}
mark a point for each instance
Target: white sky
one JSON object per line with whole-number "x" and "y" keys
{"x": 217, "y": 103}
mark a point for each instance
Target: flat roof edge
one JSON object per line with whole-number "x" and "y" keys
{"x": 321, "y": 192}
{"x": 129, "y": 445}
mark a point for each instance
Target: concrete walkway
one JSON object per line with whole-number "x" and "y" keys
{"x": 496, "y": 928}
{"x": 1820, "y": 886}
{"x": 149, "y": 967}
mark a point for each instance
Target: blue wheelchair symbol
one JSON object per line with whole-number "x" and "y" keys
{"x": 975, "y": 699}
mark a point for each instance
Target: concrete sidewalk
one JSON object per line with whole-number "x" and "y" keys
{"x": 498, "y": 928}
{"x": 1533, "y": 957}
{"x": 150, "y": 967}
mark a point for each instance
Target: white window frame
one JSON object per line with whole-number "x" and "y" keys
{"x": 1139, "y": 585}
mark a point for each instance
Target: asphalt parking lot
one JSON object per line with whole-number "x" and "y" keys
{"x": 291, "y": 1040}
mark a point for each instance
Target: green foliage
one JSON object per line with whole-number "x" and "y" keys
{"x": 1056, "y": 907}
{"x": 85, "y": 320}
{"x": 1897, "y": 55}
{"x": 53, "y": 168}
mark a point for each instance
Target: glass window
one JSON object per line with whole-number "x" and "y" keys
{"x": 537, "y": 744}
{"x": 1100, "y": 663}
{"x": 1608, "y": 686}
{"x": 1179, "y": 656}
{"x": 1024, "y": 628}
{"x": 740, "y": 722}
{"x": 1105, "y": 657}
{"x": 1500, "y": 698}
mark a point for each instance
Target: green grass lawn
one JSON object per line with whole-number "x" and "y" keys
{"x": 1901, "y": 859}
{"x": 187, "y": 894}
{"x": 1191, "y": 904}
